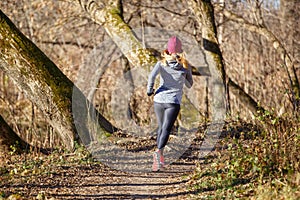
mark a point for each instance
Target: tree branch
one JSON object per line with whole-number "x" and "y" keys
{"x": 109, "y": 16}
{"x": 278, "y": 46}
{"x": 45, "y": 85}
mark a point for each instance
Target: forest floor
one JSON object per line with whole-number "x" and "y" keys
{"x": 77, "y": 175}
{"x": 96, "y": 181}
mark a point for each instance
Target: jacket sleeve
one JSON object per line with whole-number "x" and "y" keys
{"x": 151, "y": 78}
{"x": 189, "y": 79}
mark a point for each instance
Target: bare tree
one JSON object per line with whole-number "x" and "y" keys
{"x": 38, "y": 77}
{"x": 52, "y": 92}
{"x": 289, "y": 10}
{"x": 43, "y": 83}
{"x": 287, "y": 59}
{"x": 109, "y": 16}
{"x": 204, "y": 13}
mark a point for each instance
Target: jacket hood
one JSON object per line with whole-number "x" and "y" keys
{"x": 174, "y": 64}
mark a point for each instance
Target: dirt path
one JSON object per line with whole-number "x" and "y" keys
{"x": 94, "y": 182}
{"x": 101, "y": 182}
{"x": 76, "y": 175}
{"x": 97, "y": 181}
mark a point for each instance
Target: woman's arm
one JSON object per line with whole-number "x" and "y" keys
{"x": 151, "y": 78}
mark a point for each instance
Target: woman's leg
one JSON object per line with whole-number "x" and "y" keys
{"x": 159, "y": 112}
{"x": 169, "y": 117}
{"x": 166, "y": 115}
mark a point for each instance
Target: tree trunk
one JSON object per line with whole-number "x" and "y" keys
{"x": 245, "y": 98}
{"x": 290, "y": 11}
{"x": 35, "y": 74}
{"x": 204, "y": 14}
{"x": 45, "y": 85}
{"x": 109, "y": 16}
{"x": 287, "y": 60}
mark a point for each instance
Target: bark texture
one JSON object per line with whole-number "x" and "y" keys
{"x": 36, "y": 75}
{"x": 109, "y": 16}
{"x": 45, "y": 85}
{"x": 204, "y": 14}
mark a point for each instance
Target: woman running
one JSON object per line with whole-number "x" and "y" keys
{"x": 174, "y": 72}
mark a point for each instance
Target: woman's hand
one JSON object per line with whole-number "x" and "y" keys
{"x": 150, "y": 92}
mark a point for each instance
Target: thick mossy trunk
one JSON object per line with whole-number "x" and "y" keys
{"x": 43, "y": 83}
{"x": 204, "y": 14}
{"x": 109, "y": 16}
{"x": 35, "y": 74}
{"x": 210, "y": 39}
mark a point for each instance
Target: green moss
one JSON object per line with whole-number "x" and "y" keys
{"x": 146, "y": 59}
{"x": 123, "y": 31}
{"x": 114, "y": 10}
{"x": 35, "y": 65}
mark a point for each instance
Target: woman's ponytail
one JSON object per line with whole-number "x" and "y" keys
{"x": 179, "y": 57}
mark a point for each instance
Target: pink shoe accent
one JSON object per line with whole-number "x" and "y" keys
{"x": 156, "y": 163}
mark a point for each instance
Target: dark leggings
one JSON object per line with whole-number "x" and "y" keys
{"x": 166, "y": 114}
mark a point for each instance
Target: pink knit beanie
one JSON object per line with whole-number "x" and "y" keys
{"x": 174, "y": 45}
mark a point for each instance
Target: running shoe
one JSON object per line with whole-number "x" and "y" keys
{"x": 156, "y": 162}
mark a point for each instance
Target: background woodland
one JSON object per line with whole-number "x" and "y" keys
{"x": 260, "y": 51}
{"x": 64, "y": 32}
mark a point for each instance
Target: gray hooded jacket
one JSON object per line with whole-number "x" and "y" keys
{"x": 172, "y": 78}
